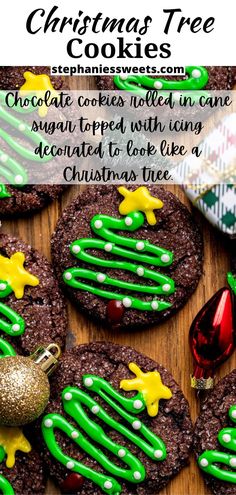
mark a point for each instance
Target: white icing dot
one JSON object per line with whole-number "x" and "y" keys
{"x": 15, "y": 327}
{"x": 76, "y": 249}
{"x": 204, "y": 462}
{"x": 74, "y": 434}
{"x": 48, "y": 423}
{"x": 108, "y": 485}
{"x": 233, "y": 462}
{"x": 140, "y": 245}
{"x": 196, "y": 73}
{"x": 68, "y": 396}
{"x": 140, "y": 271}
{"x": 2, "y": 286}
{"x": 136, "y": 425}
{"x": 68, "y": 276}
{"x": 128, "y": 221}
{"x": 158, "y": 85}
{"x": 88, "y": 382}
{"x": 3, "y": 158}
{"x": 165, "y": 258}
{"x": 233, "y": 414}
{"x": 154, "y": 305}
{"x": 21, "y": 127}
{"x": 108, "y": 247}
{"x": 158, "y": 454}
{"x": 137, "y": 475}
{"x": 226, "y": 437}
{"x": 70, "y": 465}
{"x": 166, "y": 287}
{"x": 101, "y": 277}
{"x": 121, "y": 453}
{"x": 95, "y": 409}
{"x": 124, "y": 77}
{"x": 127, "y": 302}
{"x": 137, "y": 404}
{"x": 18, "y": 179}
{"x": 98, "y": 224}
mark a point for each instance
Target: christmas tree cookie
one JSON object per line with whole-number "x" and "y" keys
{"x": 110, "y": 426}
{"x": 215, "y": 437}
{"x": 19, "y": 197}
{"x": 127, "y": 256}
{"x": 196, "y": 78}
{"x": 32, "y": 308}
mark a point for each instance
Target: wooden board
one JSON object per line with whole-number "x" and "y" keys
{"x": 168, "y": 343}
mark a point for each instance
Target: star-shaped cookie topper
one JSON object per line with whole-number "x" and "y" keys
{"x": 139, "y": 200}
{"x": 38, "y": 84}
{"x": 11, "y": 440}
{"x": 15, "y": 275}
{"x": 150, "y": 386}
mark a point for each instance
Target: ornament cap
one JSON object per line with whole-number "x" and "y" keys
{"x": 202, "y": 383}
{"x": 47, "y": 358}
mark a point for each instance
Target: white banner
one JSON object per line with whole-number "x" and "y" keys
{"x": 113, "y": 137}
{"x": 56, "y": 32}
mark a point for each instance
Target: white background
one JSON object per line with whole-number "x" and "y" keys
{"x": 217, "y": 48}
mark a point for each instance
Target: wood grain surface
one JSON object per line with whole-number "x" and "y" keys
{"x": 167, "y": 343}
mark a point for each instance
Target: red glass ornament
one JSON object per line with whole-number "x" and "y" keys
{"x": 115, "y": 311}
{"x": 72, "y": 483}
{"x": 211, "y": 335}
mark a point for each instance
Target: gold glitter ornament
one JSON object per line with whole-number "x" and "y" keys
{"x": 24, "y": 385}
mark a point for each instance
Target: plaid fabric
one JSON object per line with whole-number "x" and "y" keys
{"x": 216, "y": 202}
{"x": 218, "y": 205}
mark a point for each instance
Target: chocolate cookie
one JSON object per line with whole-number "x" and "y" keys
{"x": 214, "y": 437}
{"x": 26, "y": 476}
{"x": 134, "y": 278}
{"x": 32, "y": 308}
{"x": 115, "y": 433}
{"x": 219, "y": 78}
{"x": 29, "y": 198}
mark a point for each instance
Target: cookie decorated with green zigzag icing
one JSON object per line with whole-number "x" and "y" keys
{"x": 111, "y": 424}
{"x": 22, "y": 198}
{"x": 196, "y": 78}
{"x": 32, "y": 307}
{"x": 215, "y": 437}
{"x": 127, "y": 256}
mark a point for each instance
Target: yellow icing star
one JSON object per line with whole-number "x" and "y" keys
{"x": 150, "y": 386}
{"x": 38, "y": 84}
{"x": 13, "y": 272}
{"x": 140, "y": 200}
{"x": 13, "y": 439}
